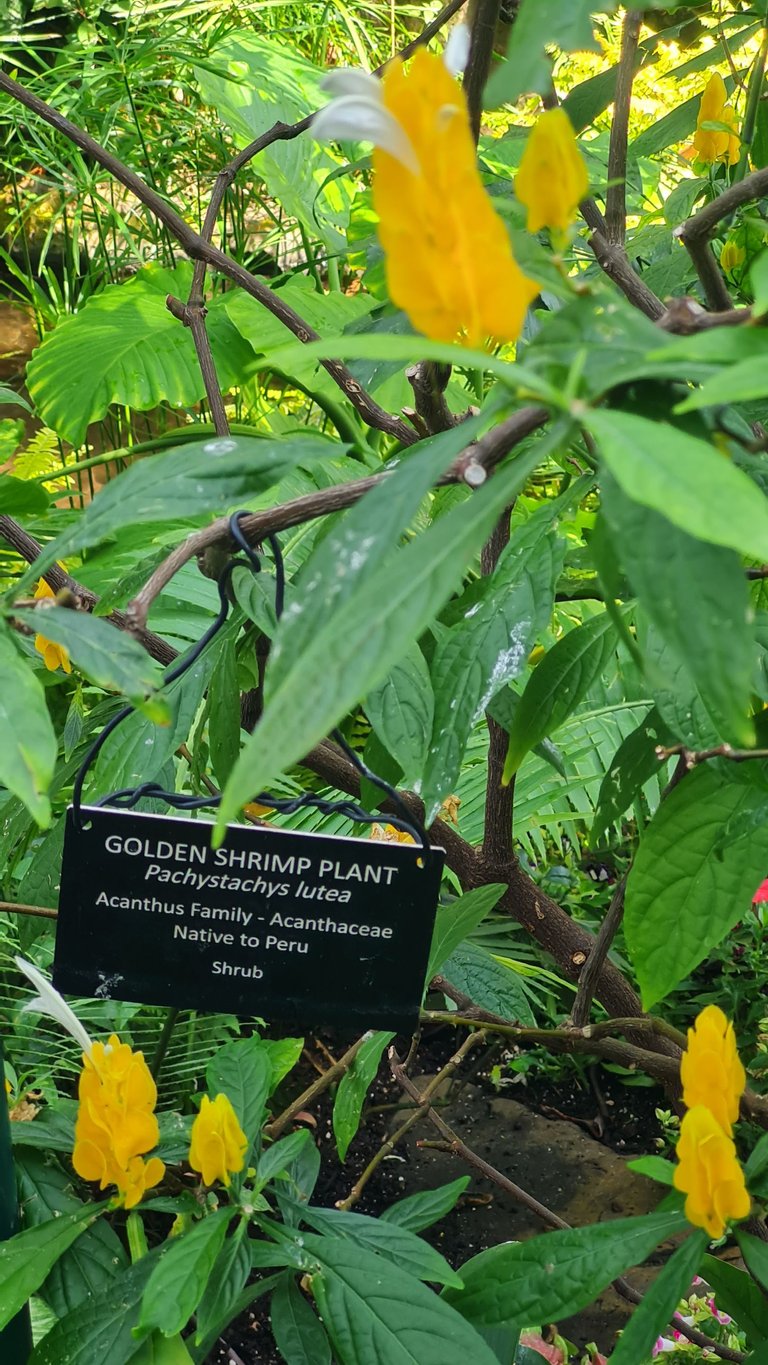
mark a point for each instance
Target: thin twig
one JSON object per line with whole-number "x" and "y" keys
{"x": 590, "y": 974}
{"x": 39, "y": 911}
{"x": 692, "y": 757}
{"x": 317, "y": 1088}
{"x": 390, "y": 1143}
{"x": 696, "y": 232}
{"x": 499, "y": 798}
{"x": 484, "y": 21}
{"x": 616, "y": 193}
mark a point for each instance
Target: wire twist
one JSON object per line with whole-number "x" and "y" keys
{"x": 128, "y": 797}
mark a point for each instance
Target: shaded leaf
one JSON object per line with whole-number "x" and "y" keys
{"x": 353, "y": 1088}
{"x": 27, "y": 740}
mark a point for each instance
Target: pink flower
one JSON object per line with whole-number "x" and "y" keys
{"x": 663, "y": 1344}
{"x": 761, "y": 893}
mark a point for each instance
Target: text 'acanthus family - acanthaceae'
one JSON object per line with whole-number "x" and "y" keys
{"x": 449, "y": 260}
{"x": 709, "y": 1172}
{"x": 116, "y": 1124}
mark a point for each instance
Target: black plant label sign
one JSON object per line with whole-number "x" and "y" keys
{"x": 300, "y": 928}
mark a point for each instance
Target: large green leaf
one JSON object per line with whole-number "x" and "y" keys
{"x": 738, "y": 1295}
{"x": 179, "y": 1278}
{"x": 93, "y": 1261}
{"x": 401, "y": 711}
{"x": 101, "y": 1327}
{"x": 684, "y": 478}
{"x": 489, "y": 982}
{"x": 29, "y": 1257}
{"x": 678, "y": 699}
{"x": 355, "y": 640}
{"x": 736, "y": 384}
{"x": 686, "y": 890}
{"x": 299, "y": 1335}
{"x": 660, "y": 1301}
{"x": 477, "y": 657}
{"x": 327, "y": 314}
{"x": 242, "y": 1071}
{"x": 456, "y": 921}
{"x": 251, "y": 80}
{"x": 125, "y": 347}
{"x": 395, "y": 1243}
{"x": 20, "y": 497}
{"x": 557, "y": 685}
{"x": 191, "y": 480}
{"x": 421, "y": 1210}
{"x": 108, "y": 656}
{"x": 374, "y": 1311}
{"x": 552, "y": 1276}
{"x": 698, "y": 598}
{"x": 634, "y": 762}
{"x": 27, "y": 739}
{"x": 353, "y": 1088}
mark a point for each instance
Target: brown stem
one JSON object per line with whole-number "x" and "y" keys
{"x": 428, "y": 381}
{"x": 499, "y": 799}
{"x": 593, "y": 966}
{"x": 616, "y": 194}
{"x": 692, "y": 757}
{"x": 696, "y": 232}
{"x": 485, "y": 19}
{"x": 37, "y": 911}
{"x": 613, "y": 260}
{"x": 390, "y": 1143}
{"x": 192, "y": 314}
{"x": 478, "y": 459}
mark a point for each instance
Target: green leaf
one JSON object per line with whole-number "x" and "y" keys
{"x": 27, "y": 739}
{"x": 739, "y": 1296}
{"x": 654, "y": 1167}
{"x": 179, "y": 1278}
{"x": 283, "y": 1054}
{"x": 756, "y": 1167}
{"x": 685, "y": 479}
{"x": 251, "y": 80}
{"x": 755, "y": 1253}
{"x": 108, "y": 656}
{"x": 375, "y": 1311}
{"x": 737, "y": 384}
{"x": 160, "y": 1350}
{"x": 557, "y": 685}
{"x": 630, "y": 768}
{"x": 243, "y": 1072}
{"x": 677, "y": 698}
{"x": 123, "y": 346}
{"x": 356, "y": 639}
{"x": 100, "y": 1328}
{"x": 225, "y": 1283}
{"x": 29, "y": 1257}
{"x": 401, "y": 709}
{"x": 19, "y": 497}
{"x": 660, "y": 1301}
{"x": 10, "y": 398}
{"x": 539, "y": 24}
{"x": 93, "y": 1261}
{"x": 456, "y": 921}
{"x": 683, "y": 894}
{"x": 224, "y": 714}
{"x": 395, "y": 1243}
{"x": 353, "y": 1088}
{"x": 299, "y": 1335}
{"x": 281, "y": 1154}
{"x": 758, "y": 279}
{"x": 489, "y": 982}
{"x": 557, "y": 1274}
{"x": 477, "y": 657}
{"x": 190, "y": 480}
{"x": 419, "y": 1211}
{"x": 698, "y": 598}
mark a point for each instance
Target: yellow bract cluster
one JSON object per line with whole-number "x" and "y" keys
{"x": 116, "y": 1124}
{"x": 716, "y": 144}
{"x": 450, "y": 265}
{"x": 218, "y": 1142}
{"x": 709, "y": 1173}
{"x": 552, "y": 179}
{"x": 54, "y": 656}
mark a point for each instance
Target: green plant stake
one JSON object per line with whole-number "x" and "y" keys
{"x": 16, "y": 1339}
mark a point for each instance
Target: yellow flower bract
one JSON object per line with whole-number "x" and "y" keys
{"x": 552, "y": 179}
{"x": 54, "y": 656}
{"x": 709, "y": 1173}
{"x": 218, "y": 1144}
{"x": 716, "y": 144}
{"x": 116, "y": 1124}
{"x": 710, "y": 1069}
{"x": 449, "y": 260}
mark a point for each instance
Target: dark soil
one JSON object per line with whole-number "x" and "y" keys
{"x": 594, "y": 1110}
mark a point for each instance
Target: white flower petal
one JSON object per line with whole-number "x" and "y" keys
{"x": 355, "y": 118}
{"x": 350, "y": 80}
{"x": 50, "y": 1002}
{"x": 456, "y": 52}
{"x": 445, "y": 113}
